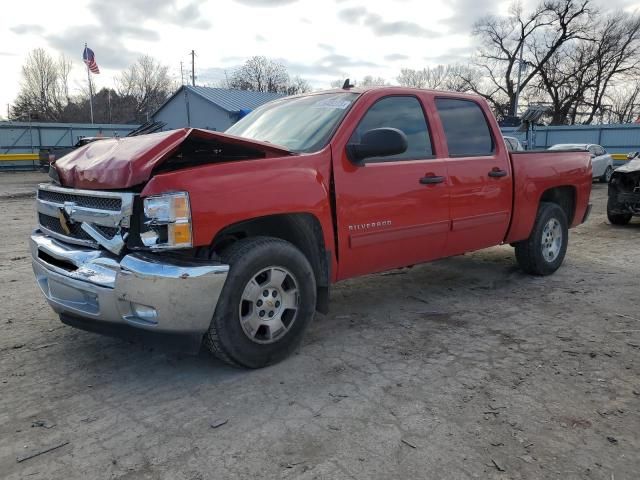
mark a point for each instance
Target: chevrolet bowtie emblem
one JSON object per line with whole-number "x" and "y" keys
{"x": 64, "y": 215}
{"x": 69, "y": 209}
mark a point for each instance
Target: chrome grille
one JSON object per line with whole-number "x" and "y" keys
{"x": 53, "y": 224}
{"x": 99, "y": 203}
{"x": 105, "y": 216}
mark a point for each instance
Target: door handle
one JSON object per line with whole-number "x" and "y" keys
{"x": 431, "y": 179}
{"x": 497, "y": 173}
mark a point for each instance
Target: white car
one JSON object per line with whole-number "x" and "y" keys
{"x": 601, "y": 161}
{"x": 513, "y": 144}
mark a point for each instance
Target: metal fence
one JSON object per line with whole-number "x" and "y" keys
{"x": 614, "y": 138}
{"x": 24, "y": 137}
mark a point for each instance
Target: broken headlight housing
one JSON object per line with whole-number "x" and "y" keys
{"x": 167, "y": 221}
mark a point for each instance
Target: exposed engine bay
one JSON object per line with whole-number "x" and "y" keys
{"x": 624, "y": 193}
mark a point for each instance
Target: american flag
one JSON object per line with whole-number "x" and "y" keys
{"x": 90, "y": 59}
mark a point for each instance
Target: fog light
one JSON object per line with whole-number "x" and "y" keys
{"x": 144, "y": 312}
{"x": 149, "y": 238}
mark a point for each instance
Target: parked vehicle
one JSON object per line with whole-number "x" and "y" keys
{"x": 624, "y": 192}
{"x": 513, "y": 144}
{"x": 601, "y": 161}
{"x": 236, "y": 237}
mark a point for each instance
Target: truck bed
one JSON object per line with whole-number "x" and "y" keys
{"x": 536, "y": 172}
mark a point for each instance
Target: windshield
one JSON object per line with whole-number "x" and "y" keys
{"x": 300, "y": 124}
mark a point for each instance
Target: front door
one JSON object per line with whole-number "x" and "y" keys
{"x": 480, "y": 175}
{"x": 391, "y": 211}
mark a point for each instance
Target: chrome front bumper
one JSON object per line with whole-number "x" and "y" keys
{"x": 145, "y": 291}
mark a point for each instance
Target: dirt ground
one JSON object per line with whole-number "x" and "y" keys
{"x": 462, "y": 368}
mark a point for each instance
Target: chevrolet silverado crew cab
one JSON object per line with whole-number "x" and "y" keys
{"x": 233, "y": 239}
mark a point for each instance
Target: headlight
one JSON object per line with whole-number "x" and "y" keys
{"x": 167, "y": 222}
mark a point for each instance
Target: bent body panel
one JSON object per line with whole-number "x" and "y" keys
{"x": 228, "y": 193}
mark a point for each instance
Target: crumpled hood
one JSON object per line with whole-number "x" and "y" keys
{"x": 630, "y": 166}
{"x": 124, "y": 162}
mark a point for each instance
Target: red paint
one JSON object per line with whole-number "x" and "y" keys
{"x": 385, "y": 217}
{"x": 535, "y": 173}
{"x": 118, "y": 163}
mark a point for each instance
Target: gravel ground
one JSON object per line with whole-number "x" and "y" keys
{"x": 462, "y": 368}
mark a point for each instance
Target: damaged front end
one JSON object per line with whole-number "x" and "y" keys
{"x": 111, "y": 260}
{"x": 123, "y": 163}
{"x": 624, "y": 193}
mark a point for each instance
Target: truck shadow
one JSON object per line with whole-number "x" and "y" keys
{"x": 423, "y": 297}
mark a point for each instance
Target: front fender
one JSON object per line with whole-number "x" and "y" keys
{"x": 227, "y": 193}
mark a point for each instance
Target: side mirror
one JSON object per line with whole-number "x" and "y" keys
{"x": 378, "y": 142}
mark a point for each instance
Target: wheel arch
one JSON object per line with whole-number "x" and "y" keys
{"x": 303, "y": 230}
{"x": 565, "y": 197}
{"x": 526, "y": 210}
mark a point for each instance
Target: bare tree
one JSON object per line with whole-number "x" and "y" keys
{"x": 371, "y": 81}
{"x": 549, "y": 26}
{"x": 297, "y": 85}
{"x": 616, "y": 53}
{"x": 412, "y": 78}
{"x": 623, "y": 103}
{"x": 441, "y": 77}
{"x": 261, "y": 74}
{"x": 565, "y": 79}
{"x": 43, "y": 90}
{"x": 147, "y": 84}
{"x": 64, "y": 68}
{"x": 367, "y": 81}
{"x": 429, "y": 77}
{"x": 576, "y": 77}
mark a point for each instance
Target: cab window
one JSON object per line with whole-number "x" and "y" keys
{"x": 404, "y": 113}
{"x": 465, "y": 128}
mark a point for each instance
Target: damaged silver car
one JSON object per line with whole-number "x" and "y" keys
{"x": 624, "y": 193}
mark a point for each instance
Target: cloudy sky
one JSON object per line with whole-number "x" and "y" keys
{"x": 318, "y": 40}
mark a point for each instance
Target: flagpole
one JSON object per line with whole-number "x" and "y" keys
{"x": 90, "y": 89}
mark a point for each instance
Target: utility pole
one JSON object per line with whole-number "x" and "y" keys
{"x": 181, "y": 73}
{"x": 515, "y": 104}
{"x": 193, "y": 68}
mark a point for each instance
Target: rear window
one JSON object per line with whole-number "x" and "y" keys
{"x": 465, "y": 127}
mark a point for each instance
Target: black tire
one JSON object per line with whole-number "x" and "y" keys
{"x": 618, "y": 218}
{"x": 606, "y": 176}
{"x": 226, "y": 338}
{"x": 529, "y": 252}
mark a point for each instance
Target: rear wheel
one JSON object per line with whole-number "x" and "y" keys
{"x": 268, "y": 300}
{"x": 606, "y": 176}
{"x": 543, "y": 252}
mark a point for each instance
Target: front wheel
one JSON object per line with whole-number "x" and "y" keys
{"x": 543, "y": 252}
{"x": 606, "y": 176}
{"x": 267, "y": 303}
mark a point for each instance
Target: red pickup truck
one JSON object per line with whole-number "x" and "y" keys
{"x": 235, "y": 238}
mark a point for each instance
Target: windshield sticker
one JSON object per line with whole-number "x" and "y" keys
{"x": 334, "y": 102}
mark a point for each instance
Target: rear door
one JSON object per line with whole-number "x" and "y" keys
{"x": 391, "y": 211}
{"x": 479, "y": 173}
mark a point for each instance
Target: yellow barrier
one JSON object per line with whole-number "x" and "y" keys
{"x": 17, "y": 157}
{"x": 619, "y": 156}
